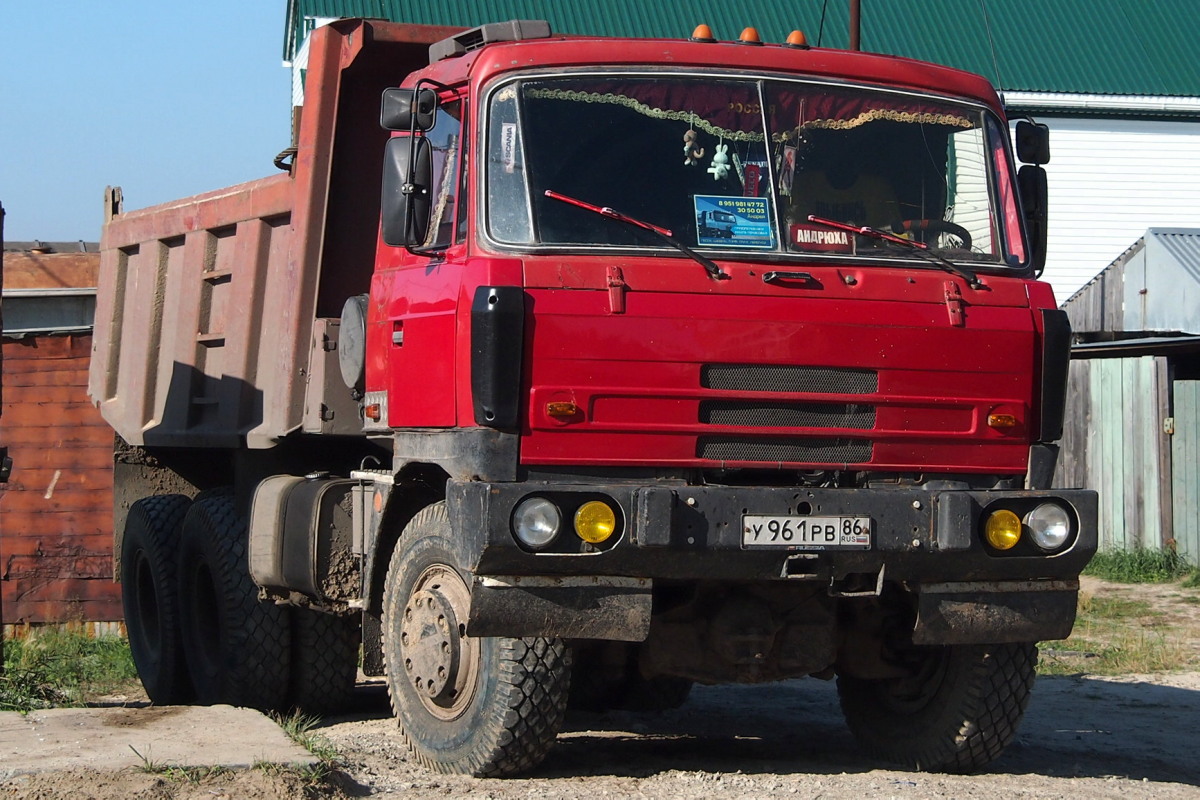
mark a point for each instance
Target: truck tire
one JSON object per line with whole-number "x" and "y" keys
{"x": 957, "y": 713}
{"x": 324, "y": 661}
{"x": 236, "y": 645}
{"x": 475, "y": 706}
{"x": 150, "y": 596}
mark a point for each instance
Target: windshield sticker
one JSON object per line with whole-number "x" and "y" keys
{"x": 787, "y": 171}
{"x": 751, "y": 175}
{"x": 508, "y": 145}
{"x": 820, "y": 239}
{"x": 733, "y": 221}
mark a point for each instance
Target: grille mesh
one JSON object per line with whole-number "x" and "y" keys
{"x": 816, "y": 380}
{"x": 819, "y": 451}
{"x": 794, "y": 415}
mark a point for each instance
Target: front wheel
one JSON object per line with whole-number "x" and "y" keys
{"x": 956, "y": 712}
{"x": 477, "y": 706}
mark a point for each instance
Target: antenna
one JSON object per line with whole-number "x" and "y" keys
{"x": 987, "y": 24}
{"x": 821, "y": 29}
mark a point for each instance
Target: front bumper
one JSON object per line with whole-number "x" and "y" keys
{"x": 929, "y": 542}
{"x": 695, "y": 533}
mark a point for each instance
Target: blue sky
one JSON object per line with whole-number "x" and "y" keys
{"x": 165, "y": 99}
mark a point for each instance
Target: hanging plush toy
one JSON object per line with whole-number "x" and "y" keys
{"x": 720, "y": 162}
{"x": 692, "y": 151}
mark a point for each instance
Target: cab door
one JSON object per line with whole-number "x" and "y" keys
{"x": 415, "y": 292}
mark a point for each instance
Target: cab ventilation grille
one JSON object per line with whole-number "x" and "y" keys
{"x": 808, "y": 450}
{"x": 816, "y": 380}
{"x": 784, "y": 415}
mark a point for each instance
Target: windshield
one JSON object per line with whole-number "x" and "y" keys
{"x": 745, "y": 166}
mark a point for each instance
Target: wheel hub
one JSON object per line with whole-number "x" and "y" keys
{"x": 439, "y": 660}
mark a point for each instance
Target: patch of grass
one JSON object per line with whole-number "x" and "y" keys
{"x": 176, "y": 773}
{"x": 1096, "y": 607}
{"x": 1114, "y": 636}
{"x": 299, "y": 728}
{"x": 62, "y": 667}
{"x": 1142, "y": 565}
{"x": 1125, "y": 653}
{"x": 1192, "y": 581}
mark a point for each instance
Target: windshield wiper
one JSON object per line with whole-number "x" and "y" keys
{"x": 920, "y": 248}
{"x": 714, "y": 271}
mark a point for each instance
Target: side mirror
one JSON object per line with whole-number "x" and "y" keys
{"x": 407, "y": 174}
{"x": 1031, "y": 183}
{"x": 399, "y": 109}
{"x": 1033, "y": 143}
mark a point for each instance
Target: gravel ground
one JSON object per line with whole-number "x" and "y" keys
{"x": 1082, "y": 737}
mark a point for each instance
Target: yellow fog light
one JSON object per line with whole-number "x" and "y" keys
{"x": 1003, "y": 530}
{"x": 595, "y": 522}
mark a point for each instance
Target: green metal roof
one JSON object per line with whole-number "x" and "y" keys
{"x": 1115, "y": 47}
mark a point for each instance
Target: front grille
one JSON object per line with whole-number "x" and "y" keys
{"x": 813, "y": 380}
{"x": 808, "y": 450}
{"x": 787, "y": 415}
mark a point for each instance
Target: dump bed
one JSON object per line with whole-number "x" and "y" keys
{"x": 213, "y": 312}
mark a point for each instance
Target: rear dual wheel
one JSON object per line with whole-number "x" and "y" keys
{"x": 150, "y": 596}
{"x": 324, "y": 661}
{"x": 478, "y": 706}
{"x": 237, "y": 646}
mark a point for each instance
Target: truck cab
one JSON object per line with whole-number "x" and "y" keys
{"x": 768, "y": 314}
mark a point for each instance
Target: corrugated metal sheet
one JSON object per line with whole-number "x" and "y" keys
{"x": 1138, "y": 47}
{"x": 1185, "y": 460}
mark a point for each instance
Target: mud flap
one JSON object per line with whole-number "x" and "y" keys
{"x": 995, "y": 612}
{"x": 573, "y": 608}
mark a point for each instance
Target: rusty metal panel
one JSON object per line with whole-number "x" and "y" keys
{"x": 178, "y": 308}
{"x": 56, "y": 511}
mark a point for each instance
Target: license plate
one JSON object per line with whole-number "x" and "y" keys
{"x": 806, "y": 533}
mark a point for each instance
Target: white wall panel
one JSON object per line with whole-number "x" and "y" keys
{"x": 1109, "y": 181}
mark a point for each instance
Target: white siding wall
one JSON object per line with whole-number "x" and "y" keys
{"x": 299, "y": 62}
{"x": 1110, "y": 180}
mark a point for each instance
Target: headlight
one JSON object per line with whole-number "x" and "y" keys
{"x": 1003, "y": 529}
{"x": 536, "y": 522}
{"x": 595, "y": 522}
{"x": 1049, "y": 525}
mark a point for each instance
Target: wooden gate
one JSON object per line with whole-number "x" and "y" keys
{"x": 1185, "y": 457}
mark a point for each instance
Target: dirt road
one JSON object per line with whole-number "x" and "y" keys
{"x": 1082, "y": 738}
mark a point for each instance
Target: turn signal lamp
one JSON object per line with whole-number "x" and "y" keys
{"x": 703, "y": 33}
{"x": 1003, "y": 529}
{"x": 373, "y": 412}
{"x": 797, "y": 39}
{"x": 750, "y": 36}
{"x": 1002, "y": 421}
{"x": 561, "y": 410}
{"x": 595, "y": 522}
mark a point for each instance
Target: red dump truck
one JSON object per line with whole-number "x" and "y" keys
{"x": 476, "y": 387}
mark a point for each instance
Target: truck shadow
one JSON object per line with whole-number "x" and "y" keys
{"x": 1075, "y": 727}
